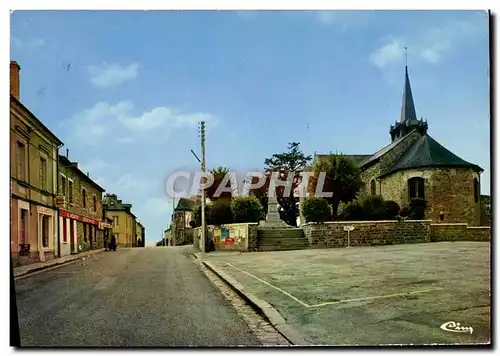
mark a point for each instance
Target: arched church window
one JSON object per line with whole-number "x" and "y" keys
{"x": 373, "y": 187}
{"x": 476, "y": 190}
{"x": 416, "y": 187}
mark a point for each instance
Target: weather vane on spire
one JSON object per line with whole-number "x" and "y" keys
{"x": 406, "y": 56}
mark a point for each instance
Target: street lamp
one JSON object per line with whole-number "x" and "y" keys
{"x": 203, "y": 169}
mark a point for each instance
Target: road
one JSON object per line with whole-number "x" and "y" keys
{"x": 143, "y": 297}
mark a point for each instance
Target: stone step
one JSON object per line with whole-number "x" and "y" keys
{"x": 281, "y": 248}
{"x": 286, "y": 241}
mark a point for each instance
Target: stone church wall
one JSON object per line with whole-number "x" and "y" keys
{"x": 450, "y": 190}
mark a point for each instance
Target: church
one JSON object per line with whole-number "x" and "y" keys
{"x": 416, "y": 165}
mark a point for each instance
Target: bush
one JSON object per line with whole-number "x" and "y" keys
{"x": 352, "y": 211}
{"x": 316, "y": 210}
{"x": 373, "y": 207}
{"x": 220, "y": 212}
{"x": 405, "y": 212}
{"x": 246, "y": 209}
{"x": 417, "y": 208}
{"x": 390, "y": 210}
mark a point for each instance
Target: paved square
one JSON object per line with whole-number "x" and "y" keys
{"x": 373, "y": 295}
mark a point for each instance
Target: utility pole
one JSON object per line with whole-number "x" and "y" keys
{"x": 203, "y": 169}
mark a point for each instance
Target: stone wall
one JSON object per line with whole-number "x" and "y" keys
{"x": 459, "y": 232}
{"x": 367, "y": 233}
{"x": 452, "y": 191}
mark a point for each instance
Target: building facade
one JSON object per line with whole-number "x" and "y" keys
{"x": 415, "y": 165}
{"x": 124, "y": 221}
{"x": 181, "y": 232}
{"x": 140, "y": 231}
{"x": 33, "y": 182}
{"x": 81, "y": 223}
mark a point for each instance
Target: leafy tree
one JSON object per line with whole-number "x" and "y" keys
{"x": 246, "y": 209}
{"x": 197, "y": 216}
{"x": 293, "y": 162}
{"x": 220, "y": 212}
{"x": 342, "y": 179}
{"x": 218, "y": 173}
{"x": 316, "y": 210}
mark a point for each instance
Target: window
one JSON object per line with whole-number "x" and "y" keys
{"x": 476, "y": 190}
{"x": 95, "y": 203}
{"x": 416, "y": 187}
{"x": 21, "y": 160}
{"x": 43, "y": 173}
{"x": 63, "y": 185}
{"x": 94, "y": 233}
{"x": 84, "y": 198}
{"x": 70, "y": 191}
{"x": 373, "y": 187}
{"x": 115, "y": 221}
{"x": 45, "y": 231}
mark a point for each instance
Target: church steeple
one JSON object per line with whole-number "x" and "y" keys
{"x": 408, "y": 120}
{"x": 408, "y": 112}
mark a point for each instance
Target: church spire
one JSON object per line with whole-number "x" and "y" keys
{"x": 408, "y": 112}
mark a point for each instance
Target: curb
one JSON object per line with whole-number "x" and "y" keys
{"x": 274, "y": 317}
{"x": 53, "y": 265}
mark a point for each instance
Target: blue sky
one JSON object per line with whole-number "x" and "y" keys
{"x": 125, "y": 90}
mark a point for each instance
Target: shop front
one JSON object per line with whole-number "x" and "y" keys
{"x": 78, "y": 232}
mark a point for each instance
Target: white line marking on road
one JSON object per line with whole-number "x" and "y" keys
{"x": 336, "y": 302}
{"x": 375, "y": 297}
{"x": 270, "y": 285}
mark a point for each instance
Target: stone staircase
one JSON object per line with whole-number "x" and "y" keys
{"x": 281, "y": 239}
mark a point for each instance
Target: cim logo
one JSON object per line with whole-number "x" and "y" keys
{"x": 456, "y": 328}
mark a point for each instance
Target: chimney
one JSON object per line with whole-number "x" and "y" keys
{"x": 14, "y": 79}
{"x": 67, "y": 153}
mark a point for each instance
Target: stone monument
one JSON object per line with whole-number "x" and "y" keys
{"x": 273, "y": 219}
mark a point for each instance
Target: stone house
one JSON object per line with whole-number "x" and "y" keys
{"x": 181, "y": 232}
{"x": 33, "y": 184}
{"x": 140, "y": 234}
{"x": 124, "y": 221}
{"x": 81, "y": 219}
{"x": 415, "y": 165}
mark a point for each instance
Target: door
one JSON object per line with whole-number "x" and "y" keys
{"x": 72, "y": 236}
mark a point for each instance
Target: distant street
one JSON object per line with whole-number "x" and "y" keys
{"x": 131, "y": 297}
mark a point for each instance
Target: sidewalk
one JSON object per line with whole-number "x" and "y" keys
{"x": 33, "y": 267}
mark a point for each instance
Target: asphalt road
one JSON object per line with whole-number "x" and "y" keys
{"x": 143, "y": 297}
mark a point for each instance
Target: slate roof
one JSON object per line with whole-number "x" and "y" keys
{"x": 382, "y": 152}
{"x": 408, "y": 112}
{"x": 427, "y": 152}
{"x": 185, "y": 204}
{"x": 356, "y": 158}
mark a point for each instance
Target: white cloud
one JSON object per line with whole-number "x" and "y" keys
{"x": 387, "y": 54}
{"x": 28, "y": 45}
{"x": 117, "y": 122}
{"x": 112, "y": 74}
{"x": 430, "y": 45}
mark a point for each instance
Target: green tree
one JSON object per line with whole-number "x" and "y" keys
{"x": 246, "y": 209}
{"x": 218, "y": 173}
{"x": 292, "y": 162}
{"x": 342, "y": 179}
